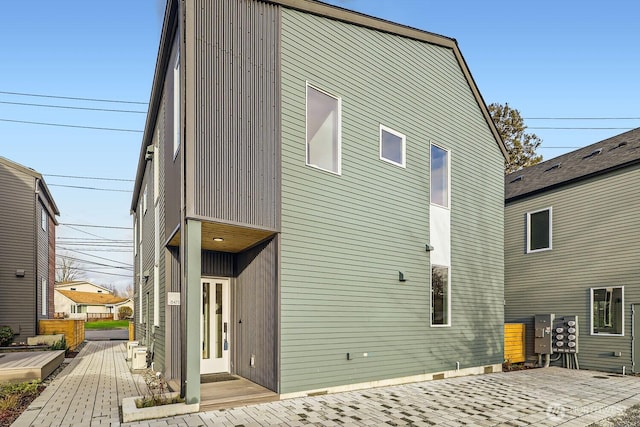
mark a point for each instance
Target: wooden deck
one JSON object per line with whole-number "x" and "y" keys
{"x": 29, "y": 365}
{"x": 230, "y": 394}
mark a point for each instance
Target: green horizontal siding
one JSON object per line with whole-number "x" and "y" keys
{"x": 596, "y": 230}
{"x": 344, "y": 238}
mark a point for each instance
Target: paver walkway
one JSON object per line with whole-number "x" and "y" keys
{"x": 89, "y": 390}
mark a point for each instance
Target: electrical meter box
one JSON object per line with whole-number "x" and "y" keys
{"x": 565, "y": 334}
{"x": 543, "y": 333}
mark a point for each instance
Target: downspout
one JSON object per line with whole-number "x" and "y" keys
{"x": 36, "y": 258}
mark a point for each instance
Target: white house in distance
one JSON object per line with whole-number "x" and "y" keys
{"x": 84, "y": 300}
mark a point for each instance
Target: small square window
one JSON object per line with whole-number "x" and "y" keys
{"x": 323, "y": 130}
{"x": 440, "y": 303}
{"x": 439, "y": 176}
{"x": 607, "y": 311}
{"x": 539, "y": 230}
{"x": 392, "y": 146}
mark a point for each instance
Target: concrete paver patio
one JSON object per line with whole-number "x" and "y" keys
{"x": 89, "y": 390}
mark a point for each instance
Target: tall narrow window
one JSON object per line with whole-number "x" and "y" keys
{"x": 439, "y": 176}
{"x": 539, "y": 230}
{"x": 392, "y": 146}
{"x": 607, "y": 311}
{"x": 44, "y": 297}
{"x": 177, "y": 128}
{"x": 439, "y": 295}
{"x": 43, "y": 218}
{"x": 144, "y": 200}
{"x": 323, "y": 130}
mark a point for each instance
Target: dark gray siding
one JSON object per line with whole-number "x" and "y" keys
{"x": 256, "y": 314}
{"x": 237, "y": 98}
{"x": 172, "y": 169}
{"x": 219, "y": 264}
{"x": 18, "y": 252}
{"x": 173, "y": 315}
{"x": 596, "y": 230}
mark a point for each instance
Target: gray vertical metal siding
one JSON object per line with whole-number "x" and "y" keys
{"x": 219, "y": 264}
{"x": 595, "y": 244}
{"x": 172, "y": 180}
{"x": 173, "y": 315}
{"x": 237, "y": 101}
{"x": 256, "y": 314}
{"x": 42, "y": 256}
{"x": 18, "y": 251}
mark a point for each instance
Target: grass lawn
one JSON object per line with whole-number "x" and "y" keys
{"x": 107, "y": 324}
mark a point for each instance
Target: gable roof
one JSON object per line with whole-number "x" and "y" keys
{"x": 36, "y": 175}
{"x": 91, "y": 298}
{"x": 81, "y": 282}
{"x": 314, "y": 7}
{"x": 610, "y": 154}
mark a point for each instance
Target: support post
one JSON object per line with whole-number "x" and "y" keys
{"x": 191, "y": 306}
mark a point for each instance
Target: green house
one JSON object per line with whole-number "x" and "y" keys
{"x": 318, "y": 204}
{"x": 571, "y": 249}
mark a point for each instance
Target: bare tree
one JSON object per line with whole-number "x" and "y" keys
{"x": 67, "y": 269}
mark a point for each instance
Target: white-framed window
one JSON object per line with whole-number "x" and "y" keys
{"x": 392, "y": 146}
{"x": 177, "y": 128}
{"x": 156, "y": 168}
{"x": 324, "y": 133}
{"x": 44, "y": 297}
{"x": 135, "y": 236}
{"x": 144, "y": 200}
{"x": 440, "y": 178}
{"x": 44, "y": 218}
{"x": 440, "y": 296}
{"x": 539, "y": 230}
{"x": 607, "y": 311}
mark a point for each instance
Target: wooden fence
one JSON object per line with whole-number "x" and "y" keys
{"x": 514, "y": 345}
{"x": 92, "y": 317}
{"x": 73, "y": 330}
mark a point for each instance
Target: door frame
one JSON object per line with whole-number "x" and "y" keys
{"x": 213, "y": 364}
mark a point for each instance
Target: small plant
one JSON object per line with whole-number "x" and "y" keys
{"x": 158, "y": 388}
{"x": 6, "y": 336}
{"x": 60, "y": 345}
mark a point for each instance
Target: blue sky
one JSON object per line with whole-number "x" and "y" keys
{"x": 547, "y": 59}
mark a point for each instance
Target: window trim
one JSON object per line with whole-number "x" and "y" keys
{"x": 177, "y": 106}
{"x": 403, "y": 137}
{"x": 306, "y": 127}
{"x": 528, "y": 219}
{"x": 591, "y": 323}
{"x": 448, "y": 206}
{"x": 44, "y": 296}
{"x": 448, "y": 324}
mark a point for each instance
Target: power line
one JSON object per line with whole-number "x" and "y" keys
{"x": 90, "y": 188}
{"x": 89, "y": 177}
{"x": 70, "y": 126}
{"x": 577, "y": 128}
{"x": 99, "y": 257}
{"x": 96, "y": 226}
{"x": 100, "y": 272}
{"x": 74, "y": 98}
{"x": 68, "y": 107}
{"x": 582, "y": 118}
{"x": 97, "y": 263}
{"x": 87, "y": 233}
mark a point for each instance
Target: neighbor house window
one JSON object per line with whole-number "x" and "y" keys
{"x": 539, "y": 230}
{"x": 43, "y": 219}
{"x": 176, "y": 107}
{"x": 439, "y": 176}
{"x": 323, "y": 130}
{"x": 144, "y": 200}
{"x": 44, "y": 297}
{"x": 440, "y": 302}
{"x": 607, "y": 311}
{"x": 392, "y": 146}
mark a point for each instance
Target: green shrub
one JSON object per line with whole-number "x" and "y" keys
{"x": 6, "y": 336}
{"x": 60, "y": 345}
{"x": 125, "y": 312}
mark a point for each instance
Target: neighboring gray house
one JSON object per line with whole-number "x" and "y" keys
{"x": 572, "y": 247}
{"x": 318, "y": 203}
{"x": 27, "y": 255}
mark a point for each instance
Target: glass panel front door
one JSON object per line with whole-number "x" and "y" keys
{"x": 214, "y": 328}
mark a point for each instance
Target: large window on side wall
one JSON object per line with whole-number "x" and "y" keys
{"x": 177, "y": 119}
{"x": 439, "y": 176}
{"x": 323, "y": 130}
{"x": 539, "y": 230}
{"x": 607, "y": 311}
{"x": 440, "y": 296}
